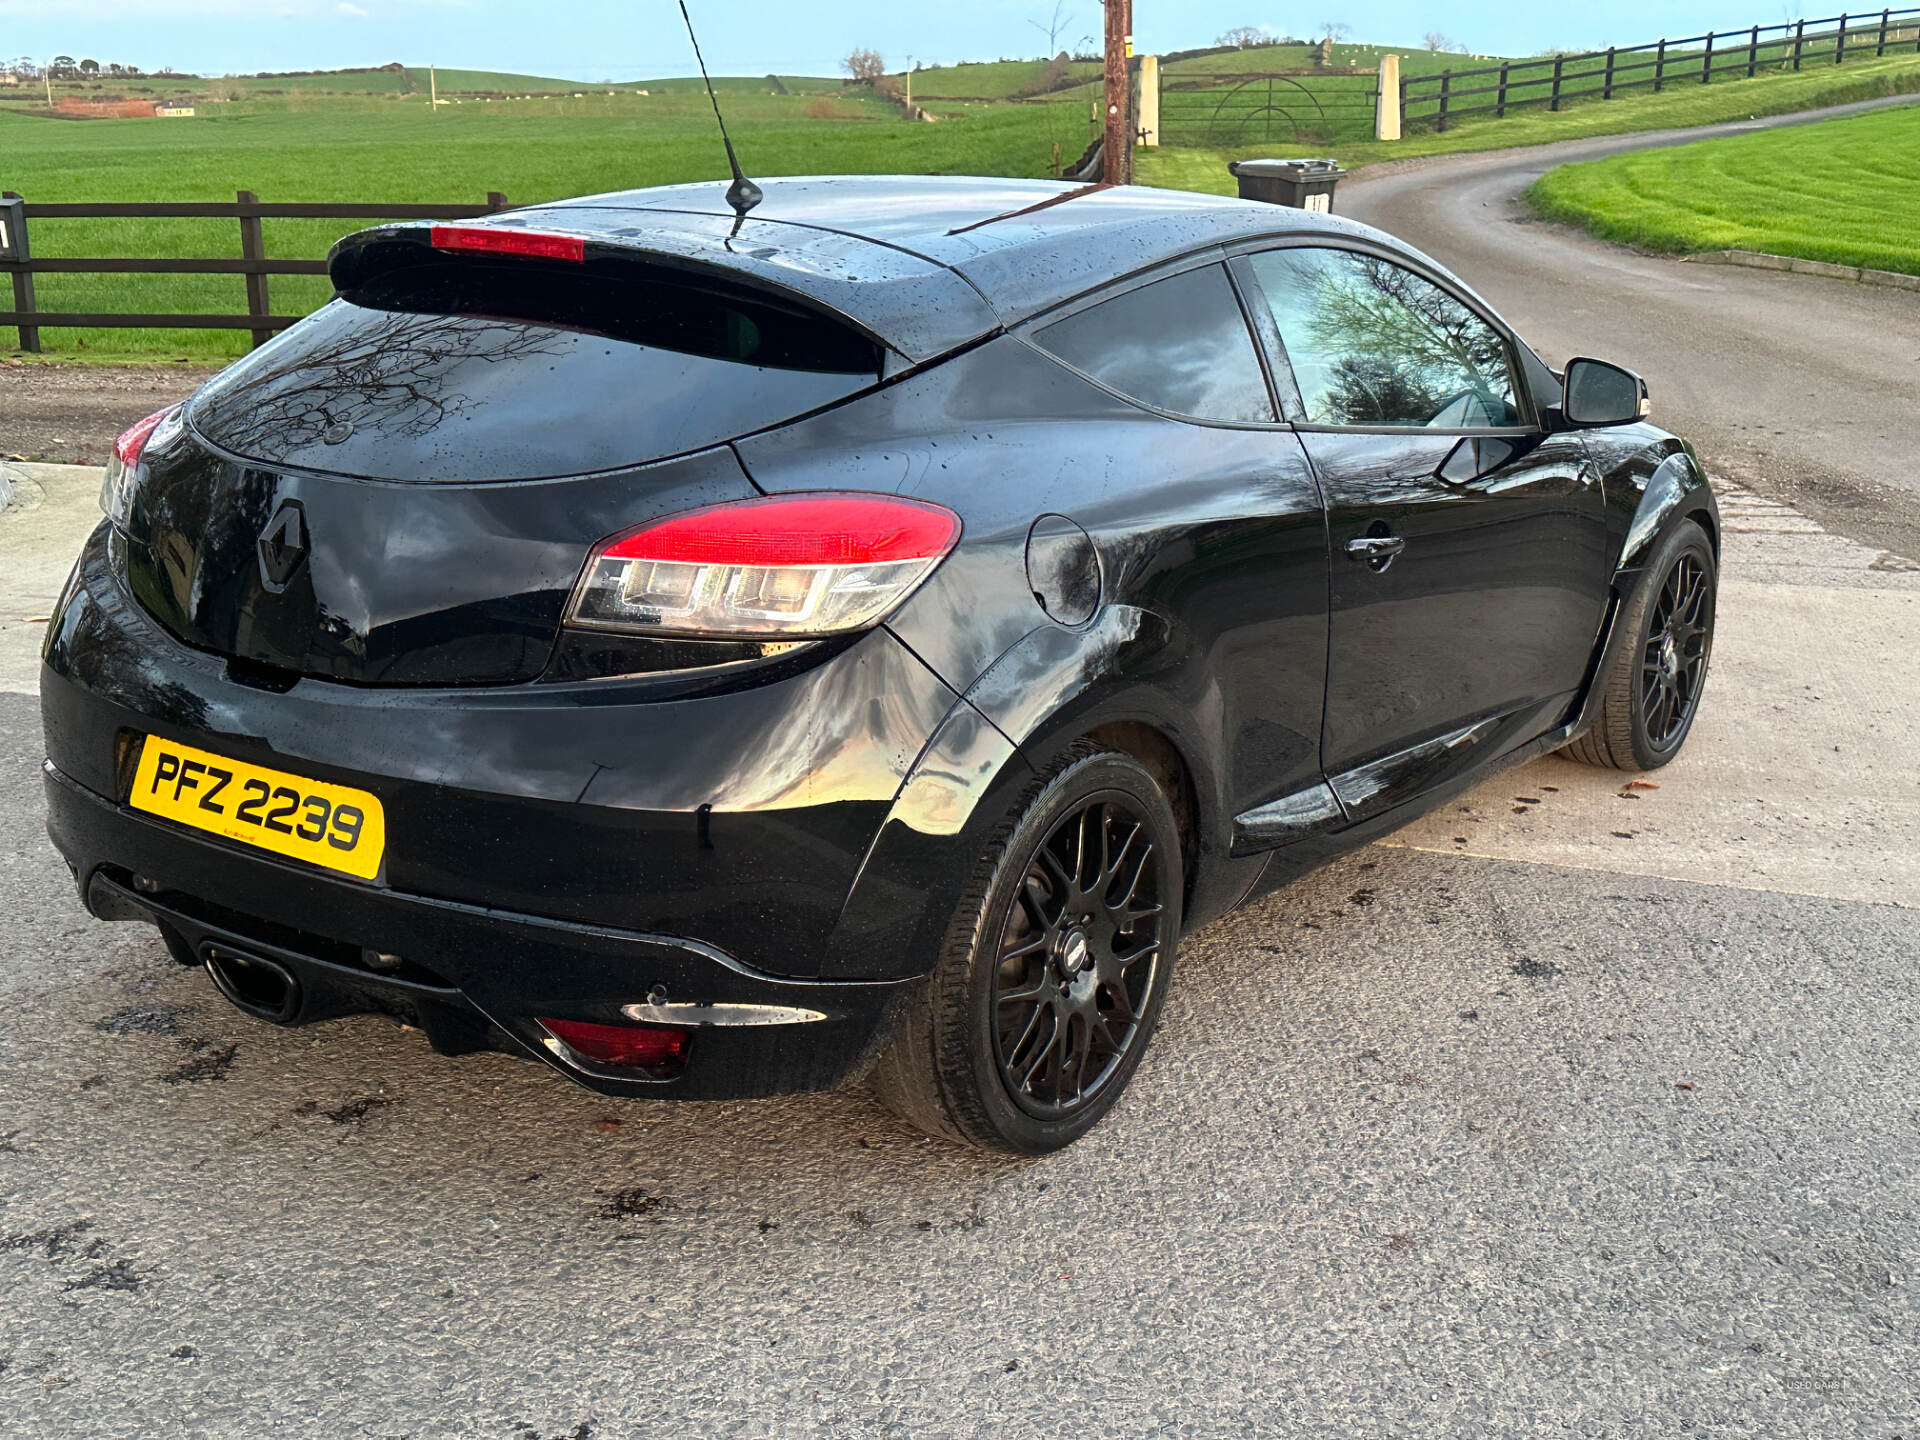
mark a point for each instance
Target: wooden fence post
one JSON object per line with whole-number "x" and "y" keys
{"x": 1500, "y": 100}
{"x": 1659, "y": 66}
{"x": 1799, "y": 40}
{"x": 1558, "y": 62}
{"x": 13, "y": 214}
{"x": 253, "y": 246}
{"x": 1840, "y": 42}
{"x": 1880, "y": 45}
{"x": 1606, "y": 85}
{"x": 1753, "y": 51}
{"x": 1706, "y": 62}
{"x": 1446, "y": 87}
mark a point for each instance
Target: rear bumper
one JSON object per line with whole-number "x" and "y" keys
{"x": 473, "y": 978}
{"x": 748, "y": 818}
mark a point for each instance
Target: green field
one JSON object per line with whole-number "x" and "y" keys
{"x": 1846, "y": 191}
{"x": 376, "y": 151}
{"x": 383, "y": 80}
{"x": 326, "y": 138}
{"x": 1768, "y": 94}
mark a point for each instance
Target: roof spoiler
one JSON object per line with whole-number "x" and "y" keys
{"x": 913, "y": 309}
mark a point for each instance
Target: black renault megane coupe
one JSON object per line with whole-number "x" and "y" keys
{"x": 719, "y": 655}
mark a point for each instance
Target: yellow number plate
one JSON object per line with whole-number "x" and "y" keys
{"x": 331, "y": 825}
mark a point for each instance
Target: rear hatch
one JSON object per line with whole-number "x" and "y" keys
{"x": 401, "y": 490}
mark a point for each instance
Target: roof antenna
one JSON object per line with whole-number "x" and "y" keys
{"x": 742, "y": 194}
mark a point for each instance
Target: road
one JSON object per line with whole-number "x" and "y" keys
{"x": 1576, "y": 1108}
{"x": 1803, "y": 389}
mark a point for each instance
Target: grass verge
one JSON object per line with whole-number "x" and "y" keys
{"x": 1845, "y": 191}
{"x": 1675, "y": 108}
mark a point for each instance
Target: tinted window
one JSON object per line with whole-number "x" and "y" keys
{"x": 1373, "y": 344}
{"x": 475, "y": 373}
{"x": 1179, "y": 344}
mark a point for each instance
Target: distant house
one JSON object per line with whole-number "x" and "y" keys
{"x": 169, "y": 107}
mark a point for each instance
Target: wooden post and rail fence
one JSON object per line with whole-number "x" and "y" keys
{"x": 1436, "y": 101}
{"x": 20, "y": 217}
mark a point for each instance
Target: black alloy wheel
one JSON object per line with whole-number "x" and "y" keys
{"x": 1650, "y": 691}
{"x": 1673, "y": 661}
{"x": 1054, "y": 967}
{"x": 1079, "y": 957}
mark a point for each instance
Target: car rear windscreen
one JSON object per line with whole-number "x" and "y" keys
{"x": 462, "y": 370}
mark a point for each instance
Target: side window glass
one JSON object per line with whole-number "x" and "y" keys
{"x": 1179, "y": 344}
{"x": 1373, "y": 344}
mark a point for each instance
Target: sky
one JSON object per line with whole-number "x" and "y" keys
{"x": 602, "y": 39}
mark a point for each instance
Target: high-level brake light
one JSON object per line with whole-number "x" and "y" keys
{"x": 509, "y": 240}
{"x": 783, "y": 567}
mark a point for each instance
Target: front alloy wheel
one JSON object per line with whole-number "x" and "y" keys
{"x": 1673, "y": 661}
{"x": 1650, "y": 691}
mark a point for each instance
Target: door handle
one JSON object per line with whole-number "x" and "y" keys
{"x": 1375, "y": 549}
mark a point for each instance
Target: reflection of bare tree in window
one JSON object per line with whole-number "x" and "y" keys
{"x": 1375, "y": 389}
{"x": 1399, "y": 348}
{"x": 395, "y": 372}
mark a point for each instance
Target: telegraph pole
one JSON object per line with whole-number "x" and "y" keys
{"x": 1117, "y": 157}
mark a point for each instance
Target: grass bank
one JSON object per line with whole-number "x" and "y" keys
{"x": 1675, "y": 108}
{"x": 1845, "y": 191}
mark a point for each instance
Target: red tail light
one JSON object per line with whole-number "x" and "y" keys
{"x": 655, "y": 1048}
{"x": 509, "y": 240}
{"x": 116, "y": 493}
{"x": 133, "y": 439}
{"x": 802, "y": 565}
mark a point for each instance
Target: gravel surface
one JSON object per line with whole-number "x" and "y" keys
{"x": 68, "y": 414}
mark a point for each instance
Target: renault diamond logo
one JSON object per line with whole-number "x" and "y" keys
{"x": 283, "y": 545}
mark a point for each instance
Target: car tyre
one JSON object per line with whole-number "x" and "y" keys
{"x": 1051, "y": 975}
{"x": 1650, "y": 692}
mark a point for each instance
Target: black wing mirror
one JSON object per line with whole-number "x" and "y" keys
{"x": 1601, "y": 394}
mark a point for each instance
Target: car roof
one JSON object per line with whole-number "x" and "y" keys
{"x": 1023, "y": 245}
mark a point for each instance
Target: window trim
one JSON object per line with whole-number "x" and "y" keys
{"x": 1240, "y": 259}
{"x": 1027, "y": 331}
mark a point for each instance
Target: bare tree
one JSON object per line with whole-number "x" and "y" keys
{"x": 865, "y": 66}
{"x": 1438, "y": 40}
{"x": 1335, "y": 30}
{"x": 1244, "y": 37}
{"x": 1056, "y": 22}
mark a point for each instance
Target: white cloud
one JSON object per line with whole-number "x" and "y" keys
{"x": 346, "y": 7}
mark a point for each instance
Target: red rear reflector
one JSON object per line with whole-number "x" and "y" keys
{"x": 784, "y": 530}
{"x": 655, "y": 1048}
{"x": 506, "y": 240}
{"x": 134, "y": 438}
